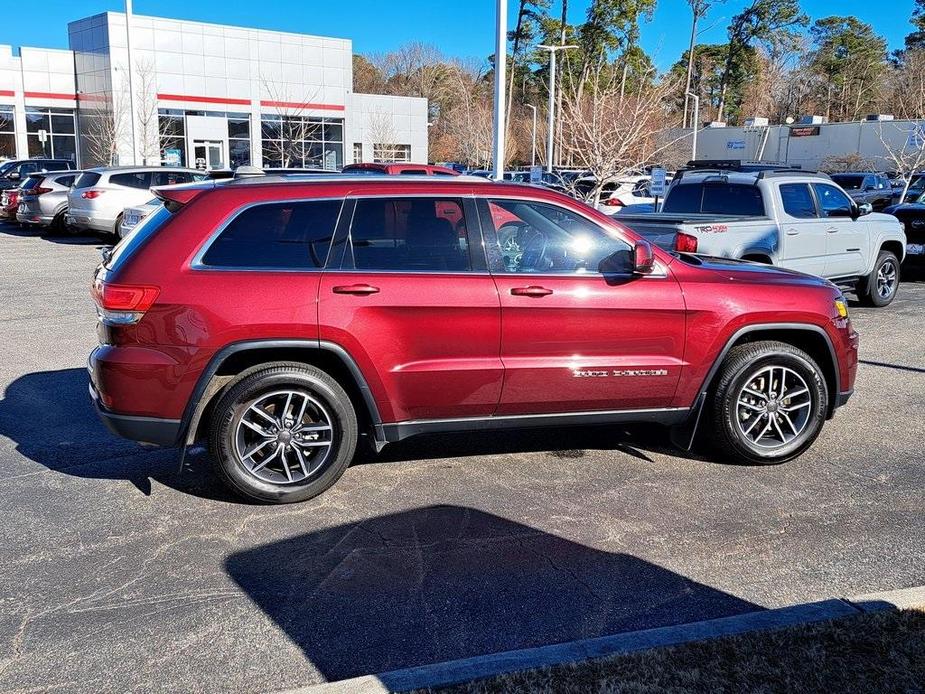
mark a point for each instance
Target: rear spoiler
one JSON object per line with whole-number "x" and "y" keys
{"x": 176, "y": 196}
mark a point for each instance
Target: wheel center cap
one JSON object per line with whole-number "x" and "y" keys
{"x": 772, "y": 406}
{"x": 284, "y": 437}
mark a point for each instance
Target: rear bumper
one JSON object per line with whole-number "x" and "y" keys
{"x": 89, "y": 222}
{"x": 160, "y": 432}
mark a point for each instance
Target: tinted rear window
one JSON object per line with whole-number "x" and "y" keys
{"x": 138, "y": 179}
{"x": 284, "y": 235}
{"x": 137, "y": 237}
{"x": 715, "y": 198}
{"x": 798, "y": 201}
{"x": 87, "y": 180}
{"x": 849, "y": 182}
{"x": 65, "y": 180}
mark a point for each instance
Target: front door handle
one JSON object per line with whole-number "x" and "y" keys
{"x": 361, "y": 289}
{"x": 832, "y": 230}
{"x": 792, "y": 232}
{"x": 532, "y": 290}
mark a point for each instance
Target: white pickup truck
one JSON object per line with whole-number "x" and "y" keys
{"x": 795, "y": 219}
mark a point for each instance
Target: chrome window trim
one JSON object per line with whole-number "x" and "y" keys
{"x": 197, "y": 264}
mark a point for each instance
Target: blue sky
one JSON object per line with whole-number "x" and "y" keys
{"x": 458, "y": 27}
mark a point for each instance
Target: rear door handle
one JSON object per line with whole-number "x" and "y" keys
{"x": 361, "y": 289}
{"x": 532, "y": 290}
{"x": 832, "y": 230}
{"x": 792, "y": 232}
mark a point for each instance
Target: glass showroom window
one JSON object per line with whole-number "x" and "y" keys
{"x": 171, "y": 124}
{"x": 60, "y": 133}
{"x": 239, "y": 139}
{"x": 302, "y": 142}
{"x": 399, "y": 153}
{"x": 7, "y": 133}
{"x": 357, "y": 152}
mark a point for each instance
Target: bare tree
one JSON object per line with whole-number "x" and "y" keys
{"x": 904, "y": 148}
{"x": 382, "y": 133}
{"x": 104, "y": 127}
{"x": 611, "y": 132}
{"x": 149, "y": 131}
{"x": 290, "y": 128}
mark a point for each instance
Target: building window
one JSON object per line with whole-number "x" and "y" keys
{"x": 239, "y": 139}
{"x": 302, "y": 142}
{"x": 172, "y": 128}
{"x": 357, "y": 152}
{"x": 59, "y": 133}
{"x": 7, "y": 133}
{"x": 396, "y": 153}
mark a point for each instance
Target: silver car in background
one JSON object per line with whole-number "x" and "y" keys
{"x": 132, "y": 215}
{"x": 43, "y": 201}
{"x": 99, "y": 196}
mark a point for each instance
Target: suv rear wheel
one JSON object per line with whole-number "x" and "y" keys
{"x": 283, "y": 434}
{"x": 769, "y": 403}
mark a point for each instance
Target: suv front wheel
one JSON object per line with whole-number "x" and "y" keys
{"x": 769, "y": 403}
{"x": 283, "y": 434}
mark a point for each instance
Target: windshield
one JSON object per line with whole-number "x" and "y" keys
{"x": 849, "y": 182}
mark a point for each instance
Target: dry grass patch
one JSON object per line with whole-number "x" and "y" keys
{"x": 880, "y": 652}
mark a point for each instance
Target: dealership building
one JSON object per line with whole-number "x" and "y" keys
{"x": 204, "y": 95}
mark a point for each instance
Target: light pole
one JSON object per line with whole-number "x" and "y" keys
{"x": 533, "y": 139}
{"x": 552, "y": 99}
{"x": 131, "y": 88}
{"x": 695, "y": 124}
{"x": 500, "y": 81}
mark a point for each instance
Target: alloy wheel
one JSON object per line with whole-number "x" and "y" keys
{"x": 284, "y": 437}
{"x": 886, "y": 279}
{"x": 773, "y": 407}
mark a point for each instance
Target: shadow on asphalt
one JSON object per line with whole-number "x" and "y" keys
{"x": 47, "y": 235}
{"x": 446, "y": 582}
{"x": 50, "y": 418}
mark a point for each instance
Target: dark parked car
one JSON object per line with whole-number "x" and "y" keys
{"x": 13, "y": 173}
{"x": 872, "y": 188}
{"x": 286, "y": 320}
{"x": 912, "y": 216}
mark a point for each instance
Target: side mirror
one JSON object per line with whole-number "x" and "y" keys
{"x": 643, "y": 258}
{"x": 13, "y": 176}
{"x": 865, "y": 208}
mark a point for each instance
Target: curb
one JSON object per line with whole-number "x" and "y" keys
{"x": 479, "y": 667}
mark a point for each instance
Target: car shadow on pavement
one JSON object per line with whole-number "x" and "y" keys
{"x": 446, "y": 582}
{"x": 50, "y": 418}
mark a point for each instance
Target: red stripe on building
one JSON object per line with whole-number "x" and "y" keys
{"x": 203, "y": 99}
{"x": 49, "y": 95}
{"x": 303, "y": 105}
{"x": 7, "y": 92}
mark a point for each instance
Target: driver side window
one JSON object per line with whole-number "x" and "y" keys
{"x": 532, "y": 237}
{"x": 832, "y": 201}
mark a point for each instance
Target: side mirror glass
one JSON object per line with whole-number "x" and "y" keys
{"x": 643, "y": 258}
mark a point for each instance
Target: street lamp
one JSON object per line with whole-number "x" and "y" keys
{"x": 695, "y": 124}
{"x": 500, "y": 81}
{"x": 552, "y": 98}
{"x": 533, "y": 139}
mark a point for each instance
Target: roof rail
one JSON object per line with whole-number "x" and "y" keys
{"x": 773, "y": 173}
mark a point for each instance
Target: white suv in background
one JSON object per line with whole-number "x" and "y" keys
{"x": 99, "y": 196}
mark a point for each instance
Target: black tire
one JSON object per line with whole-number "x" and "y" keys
{"x": 225, "y": 433}
{"x": 117, "y": 229}
{"x": 869, "y": 287}
{"x": 740, "y": 368}
{"x": 57, "y": 226}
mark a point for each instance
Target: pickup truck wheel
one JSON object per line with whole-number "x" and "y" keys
{"x": 769, "y": 403}
{"x": 283, "y": 434}
{"x": 880, "y": 286}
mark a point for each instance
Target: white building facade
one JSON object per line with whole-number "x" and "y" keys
{"x": 205, "y": 95}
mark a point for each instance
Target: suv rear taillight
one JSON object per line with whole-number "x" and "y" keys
{"x": 685, "y": 243}
{"x": 122, "y": 304}
{"x": 40, "y": 190}
{"x": 613, "y": 202}
{"x": 92, "y": 194}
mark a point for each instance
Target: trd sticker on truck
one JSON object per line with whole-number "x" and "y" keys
{"x": 713, "y": 229}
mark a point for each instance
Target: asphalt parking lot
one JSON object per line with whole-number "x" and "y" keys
{"x": 121, "y": 573}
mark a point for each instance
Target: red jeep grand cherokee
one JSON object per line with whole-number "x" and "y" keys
{"x": 281, "y": 318}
